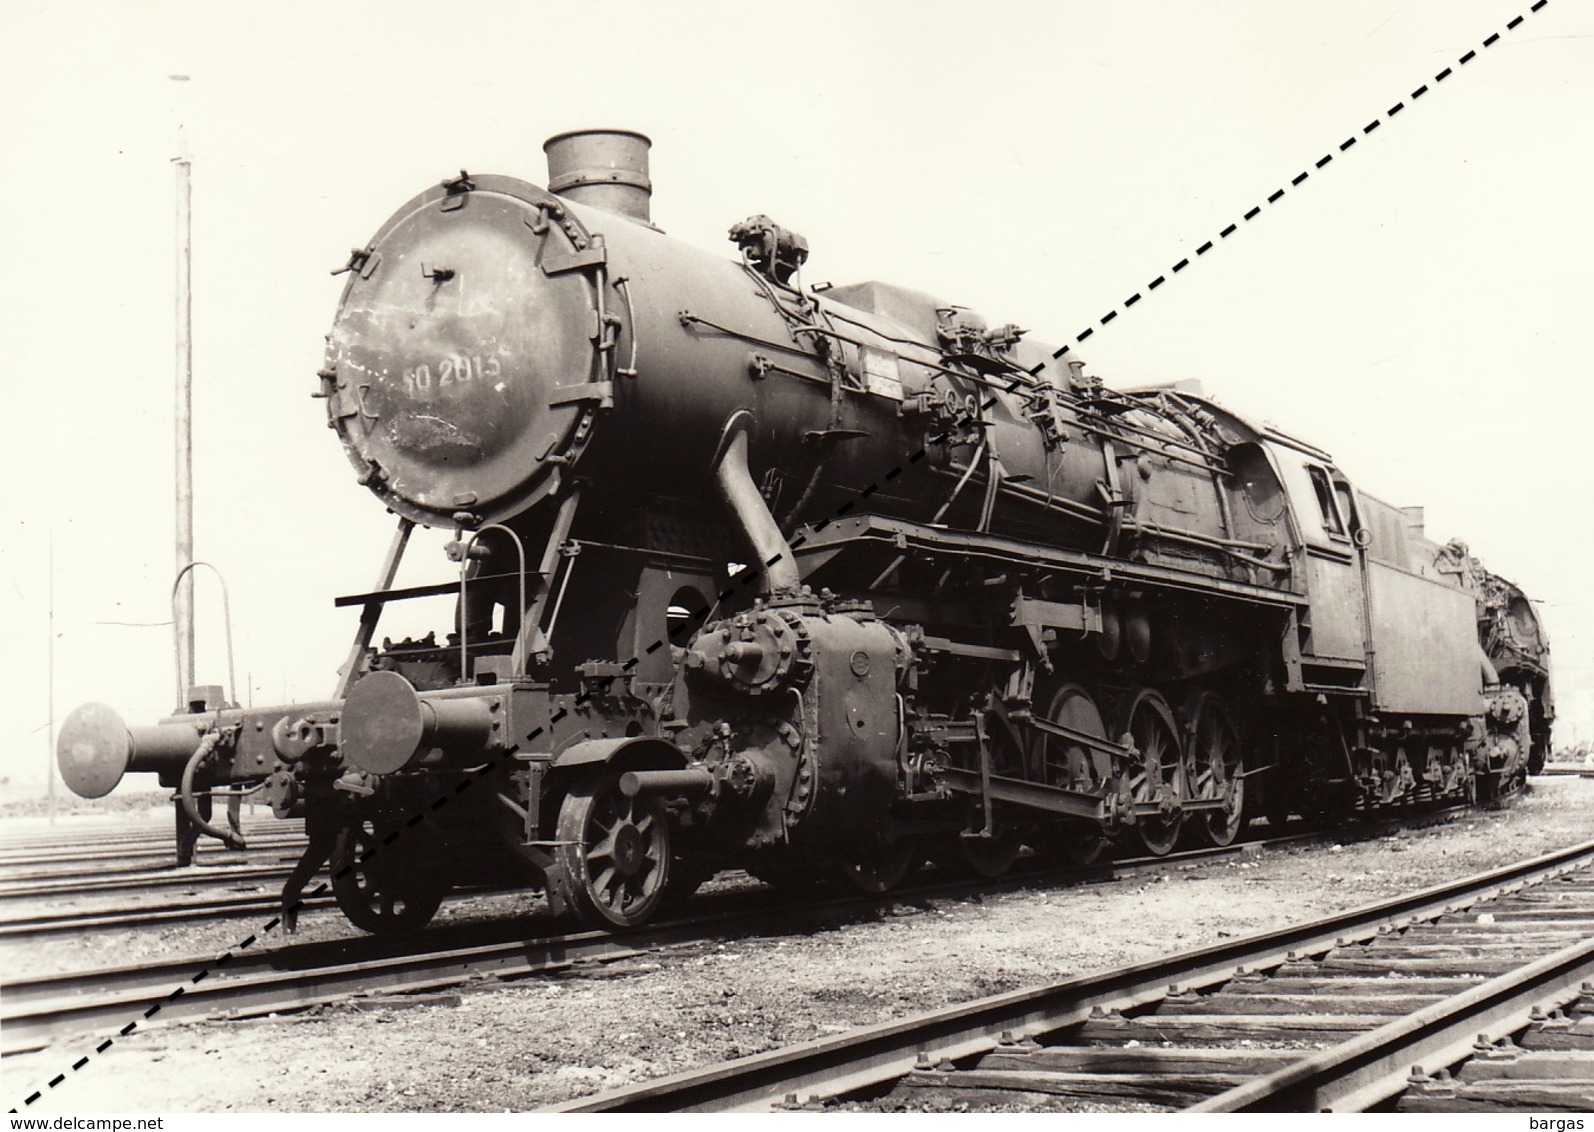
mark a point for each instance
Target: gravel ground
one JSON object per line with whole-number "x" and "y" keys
{"x": 548, "y": 1039}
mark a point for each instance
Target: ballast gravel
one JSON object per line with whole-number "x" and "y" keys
{"x": 521, "y": 1045}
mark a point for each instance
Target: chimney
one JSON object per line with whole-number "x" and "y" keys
{"x": 605, "y": 169}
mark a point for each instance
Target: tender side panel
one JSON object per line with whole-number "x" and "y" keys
{"x": 1426, "y": 644}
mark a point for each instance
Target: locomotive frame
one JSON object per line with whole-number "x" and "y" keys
{"x": 1068, "y": 617}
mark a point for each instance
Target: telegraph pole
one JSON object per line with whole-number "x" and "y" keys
{"x": 183, "y": 615}
{"x": 49, "y": 758}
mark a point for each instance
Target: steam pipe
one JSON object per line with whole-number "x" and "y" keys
{"x": 747, "y": 504}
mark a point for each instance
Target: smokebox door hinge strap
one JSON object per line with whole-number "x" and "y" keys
{"x": 600, "y": 393}
{"x": 457, "y": 189}
{"x": 594, "y": 256}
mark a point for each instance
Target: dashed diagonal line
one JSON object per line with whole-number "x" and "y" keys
{"x": 1296, "y": 181}
{"x": 751, "y": 573}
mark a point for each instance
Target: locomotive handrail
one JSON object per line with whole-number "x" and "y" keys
{"x": 226, "y": 612}
{"x": 464, "y": 582}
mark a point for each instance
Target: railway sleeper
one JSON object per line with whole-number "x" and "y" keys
{"x": 1530, "y": 1065}
{"x": 1516, "y": 1096}
{"x": 1468, "y": 935}
{"x": 1489, "y": 965}
{"x": 1350, "y": 982}
{"x": 1505, "y": 948}
{"x": 1281, "y": 1029}
{"x": 1149, "y": 1088}
{"x": 1550, "y": 1067}
{"x": 1580, "y": 1036}
{"x": 1138, "y": 1059}
{"x": 1328, "y": 1002}
{"x": 1543, "y": 915}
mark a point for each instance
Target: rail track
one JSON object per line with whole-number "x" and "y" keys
{"x": 99, "y": 861}
{"x": 21, "y": 917}
{"x": 258, "y": 980}
{"x": 1568, "y": 770}
{"x": 123, "y": 918}
{"x": 1332, "y": 1014}
{"x": 111, "y": 836}
{"x": 142, "y": 880}
{"x": 52, "y": 885}
{"x": 235, "y": 875}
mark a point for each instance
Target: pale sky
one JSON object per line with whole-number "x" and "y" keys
{"x": 1415, "y": 307}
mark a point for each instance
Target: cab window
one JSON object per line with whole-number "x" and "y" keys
{"x": 1347, "y": 509}
{"x": 1332, "y": 523}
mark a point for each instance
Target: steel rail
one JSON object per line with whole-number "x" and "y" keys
{"x": 116, "y": 918}
{"x": 99, "y": 919}
{"x": 231, "y": 995}
{"x": 1357, "y": 1074}
{"x": 138, "y": 881}
{"x": 128, "y": 834}
{"x": 114, "y": 854}
{"x": 37, "y": 1008}
{"x": 287, "y": 978}
{"x": 879, "y": 1054}
{"x": 103, "y": 919}
{"x": 164, "y": 973}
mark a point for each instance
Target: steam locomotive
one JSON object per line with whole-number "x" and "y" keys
{"x": 813, "y": 580}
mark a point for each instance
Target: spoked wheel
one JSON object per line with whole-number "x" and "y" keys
{"x": 988, "y": 857}
{"x": 1072, "y": 841}
{"x": 614, "y": 855}
{"x": 394, "y": 890}
{"x": 1160, "y": 776}
{"x": 991, "y": 857}
{"x": 883, "y": 866}
{"x": 1071, "y": 765}
{"x": 686, "y": 877}
{"x": 1217, "y": 765}
{"x": 1068, "y": 763}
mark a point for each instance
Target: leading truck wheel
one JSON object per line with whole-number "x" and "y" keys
{"x": 385, "y": 888}
{"x": 614, "y": 853}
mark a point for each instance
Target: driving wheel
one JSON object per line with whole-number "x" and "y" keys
{"x": 1070, "y": 764}
{"x": 1217, "y": 766}
{"x": 1159, "y": 776}
{"x": 883, "y": 866}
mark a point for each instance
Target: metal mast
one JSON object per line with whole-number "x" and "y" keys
{"x": 183, "y": 619}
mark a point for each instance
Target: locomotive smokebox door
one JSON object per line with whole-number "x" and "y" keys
{"x": 466, "y": 360}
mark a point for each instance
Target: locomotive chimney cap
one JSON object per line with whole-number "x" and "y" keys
{"x": 597, "y": 131}
{"x": 605, "y": 168}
